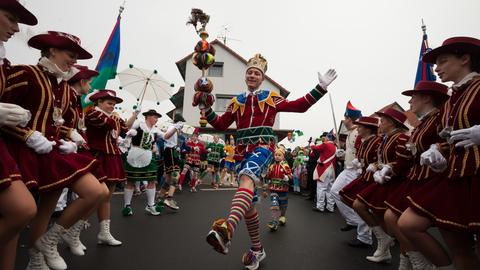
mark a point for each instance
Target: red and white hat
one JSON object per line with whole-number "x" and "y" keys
{"x": 367, "y": 121}
{"x": 83, "y": 74}
{"x": 398, "y": 117}
{"x": 104, "y": 94}
{"x": 60, "y": 40}
{"x": 24, "y": 16}
{"x": 454, "y": 45}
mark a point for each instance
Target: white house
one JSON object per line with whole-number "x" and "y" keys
{"x": 228, "y": 77}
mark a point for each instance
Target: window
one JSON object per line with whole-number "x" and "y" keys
{"x": 221, "y": 102}
{"x": 216, "y": 70}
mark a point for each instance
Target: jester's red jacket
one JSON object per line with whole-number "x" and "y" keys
{"x": 254, "y": 114}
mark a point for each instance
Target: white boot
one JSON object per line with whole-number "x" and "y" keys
{"x": 382, "y": 254}
{"x": 384, "y": 241}
{"x": 72, "y": 238}
{"x": 419, "y": 262}
{"x": 404, "y": 263}
{"x": 104, "y": 236}
{"x": 47, "y": 245}
{"x": 37, "y": 261}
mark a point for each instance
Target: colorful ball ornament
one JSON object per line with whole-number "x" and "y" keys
{"x": 203, "y": 60}
{"x": 203, "y": 121}
{"x": 204, "y": 84}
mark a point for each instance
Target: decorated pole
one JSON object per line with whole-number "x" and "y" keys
{"x": 203, "y": 57}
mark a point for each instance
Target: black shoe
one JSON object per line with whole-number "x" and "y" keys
{"x": 347, "y": 228}
{"x": 358, "y": 244}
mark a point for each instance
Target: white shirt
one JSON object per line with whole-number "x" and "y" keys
{"x": 350, "y": 151}
{"x": 172, "y": 141}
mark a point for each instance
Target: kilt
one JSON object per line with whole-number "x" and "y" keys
{"x": 147, "y": 173}
{"x": 453, "y": 204}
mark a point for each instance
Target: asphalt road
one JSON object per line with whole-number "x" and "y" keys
{"x": 176, "y": 240}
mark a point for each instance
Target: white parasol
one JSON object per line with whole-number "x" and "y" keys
{"x": 145, "y": 84}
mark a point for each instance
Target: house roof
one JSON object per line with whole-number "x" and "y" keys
{"x": 182, "y": 65}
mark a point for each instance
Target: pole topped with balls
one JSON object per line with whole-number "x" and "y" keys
{"x": 203, "y": 57}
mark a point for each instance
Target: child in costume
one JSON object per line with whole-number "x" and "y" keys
{"x": 214, "y": 157}
{"x": 192, "y": 163}
{"x": 229, "y": 162}
{"x": 141, "y": 162}
{"x": 298, "y": 169}
{"x": 277, "y": 179}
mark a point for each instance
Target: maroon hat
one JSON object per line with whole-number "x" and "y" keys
{"x": 453, "y": 45}
{"x": 367, "y": 121}
{"x": 105, "y": 94}
{"x": 60, "y": 40}
{"x": 83, "y": 74}
{"x": 429, "y": 88}
{"x": 24, "y": 16}
{"x": 397, "y": 116}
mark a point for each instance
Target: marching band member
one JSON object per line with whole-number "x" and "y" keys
{"x": 450, "y": 201}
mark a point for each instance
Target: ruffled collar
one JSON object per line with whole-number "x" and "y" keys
{"x": 53, "y": 69}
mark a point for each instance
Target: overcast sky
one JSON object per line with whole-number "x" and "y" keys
{"x": 373, "y": 44}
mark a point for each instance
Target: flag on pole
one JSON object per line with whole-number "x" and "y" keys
{"x": 107, "y": 64}
{"x": 424, "y": 70}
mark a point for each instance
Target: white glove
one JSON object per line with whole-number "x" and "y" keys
{"x": 356, "y": 164}
{"x": 13, "y": 115}
{"x": 131, "y": 133}
{"x": 467, "y": 137}
{"x": 138, "y": 109}
{"x": 305, "y": 159}
{"x": 178, "y": 126}
{"x": 340, "y": 153}
{"x": 67, "y": 147}
{"x": 378, "y": 177}
{"x": 209, "y": 150}
{"x": 325, "y": 80}
{"x": 371, "y": 168}
{"x": 434, "y": 159}
{"x": 196, "y": 149}
{"x": 285, "y": 178}
{"x": 386, "y": 170}
{"x": 39, "y": 143}
{"x": 76, "y": 137}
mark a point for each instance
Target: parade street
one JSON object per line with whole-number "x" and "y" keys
{"x": 310, "y": 240}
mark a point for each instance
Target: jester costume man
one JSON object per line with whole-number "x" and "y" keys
{"x": 254, "y": 113}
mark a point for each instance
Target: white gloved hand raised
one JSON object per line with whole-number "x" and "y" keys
{"x": 39, "y": 143}
{"x": 466, "y": 137}
{"x": 434, "y": 159}
{"x": 13, "y": 115}
{"x": 371, "y": 168}
{"x": 326, "y": 79}
{"x": 76, "y": 137}
{"x": 131, "y": 133}
{"x": 285, "y": 178}
{"x": 67, "y": 147}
